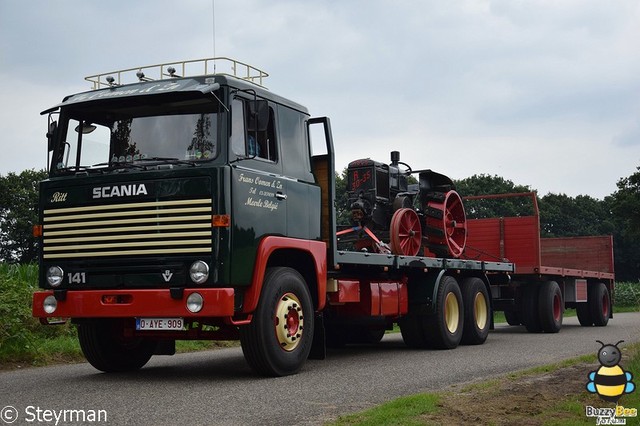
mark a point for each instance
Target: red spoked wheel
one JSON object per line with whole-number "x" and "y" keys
{"x": 446, "y": 224}
{"x": 406, "y": 232}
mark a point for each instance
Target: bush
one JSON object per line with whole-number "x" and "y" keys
{"x": 627, "y": 294}
{"x": 21, "y": 335}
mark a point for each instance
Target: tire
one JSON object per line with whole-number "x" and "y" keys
{"x": 584, "y": 314}
{"x": 599, "y": 304}
{"x": 104, "y": 346}
{"x": 268, "y": 344}
{"x": 411, "y": 328}
{"x": 369, "y": 335}
{"x": 512, "y": 317}
{"x": 340, "y": 335}
{"x": 477, "y": 312}
{"x": 551, "y": 307}
{"x": 530, "y": 316}
{"x": 443, "y": 330}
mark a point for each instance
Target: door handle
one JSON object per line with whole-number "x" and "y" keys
{"x": 281, "y": 196}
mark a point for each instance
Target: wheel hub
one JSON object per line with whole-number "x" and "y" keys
{"x": 480, "y": 310}
{"x": 289, "y": 322}
{"x": 451, "y": 313}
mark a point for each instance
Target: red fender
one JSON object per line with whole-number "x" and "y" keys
{"x": 317, "y": 250}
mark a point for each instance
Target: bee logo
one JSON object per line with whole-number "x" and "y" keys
{"x": 610, "y": 381}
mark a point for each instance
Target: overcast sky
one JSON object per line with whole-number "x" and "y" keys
{"x": 545, "y": 93}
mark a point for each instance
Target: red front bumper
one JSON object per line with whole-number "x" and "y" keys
{"x": 218, "y": 302}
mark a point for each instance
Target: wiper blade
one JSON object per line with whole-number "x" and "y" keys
{"x": 71, "y": 169}
{"x": 169, "y": 160}
{"x": 116, "y": 165}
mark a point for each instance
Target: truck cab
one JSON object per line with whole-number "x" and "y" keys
{"x": 170, "y": 197}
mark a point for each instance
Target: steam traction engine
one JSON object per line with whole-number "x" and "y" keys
{"x": 384, "y": 206}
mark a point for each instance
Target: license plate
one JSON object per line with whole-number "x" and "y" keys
{"x": 159, "y": 324}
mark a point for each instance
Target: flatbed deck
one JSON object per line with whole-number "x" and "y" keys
{"x": 393, "y": 262}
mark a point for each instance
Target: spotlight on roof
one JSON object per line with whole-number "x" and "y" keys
{"x": 140, "y": 75}
{"x": 171, "y": 71}
{"x": 110, "y": 80}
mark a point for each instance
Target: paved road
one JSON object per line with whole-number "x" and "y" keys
{"x": 217, "y": 388}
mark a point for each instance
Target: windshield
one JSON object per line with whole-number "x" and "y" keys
{"x": 185, "y": 137}
{"x": 99, "y": 140}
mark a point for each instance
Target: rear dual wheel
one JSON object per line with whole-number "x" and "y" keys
{"x": 442, "y": 329}
{"x": 551, "y": 307}
{"x": 597, "y": 310}
{"x": 542, "y": 307}
{"x": 477, "y": 312}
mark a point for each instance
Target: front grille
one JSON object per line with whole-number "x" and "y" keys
{"x": 132, "y": 229}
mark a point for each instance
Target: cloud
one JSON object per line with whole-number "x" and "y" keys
{"x": 629, "y": 137}
{"x": 472, "y": 86}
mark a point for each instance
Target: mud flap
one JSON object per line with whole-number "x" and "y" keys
{"x": 318, "y": 346}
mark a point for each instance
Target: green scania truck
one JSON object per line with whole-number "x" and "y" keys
{"x": 187, "y": 201}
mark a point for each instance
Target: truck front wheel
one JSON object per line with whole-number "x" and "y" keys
{"x": 279, "y": 338}
{"x": 105, "y": 347}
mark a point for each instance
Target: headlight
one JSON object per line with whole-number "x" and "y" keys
{"x": 199, "y": 272}
{"x": 50, "y": 304}
{"x": 195, "y": 302}
{"x": 55, "y": 274}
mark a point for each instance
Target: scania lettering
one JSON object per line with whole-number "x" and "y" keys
{"x": 184, "y": 204}
{"x": 119, "y": 191}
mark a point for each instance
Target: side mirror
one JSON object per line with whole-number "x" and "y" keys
{"x": 51, "y": 133}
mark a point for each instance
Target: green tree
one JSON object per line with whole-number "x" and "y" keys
{"x": 625, "y": 206}
{"x": 18, "y": 214}
{"x": 486, "y": 185}
{"x": 343, "y": 213}
{"x": 564, "y": 216}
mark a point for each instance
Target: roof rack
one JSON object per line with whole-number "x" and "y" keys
{"x": 193, "y": 67}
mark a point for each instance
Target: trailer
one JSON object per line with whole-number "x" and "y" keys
{"x": 550, "y": 274}
{"x": 193, "y": 203}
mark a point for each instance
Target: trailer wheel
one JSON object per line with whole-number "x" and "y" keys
{"x": 530, "y": 305}
{"x": 599, "y": 304}
{"x": 512, "y": 317}
{"x": 477, "y": 312}
{"x": 104, "y": 346}
{"x": 443, "y": 330}
{"x": 584, "y": 315}
{"x": 551, "y": 307}
{"x": 279, "y": 338}
{"x": 370, "y": 335}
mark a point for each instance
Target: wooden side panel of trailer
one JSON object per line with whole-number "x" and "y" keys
{"x": 585, "y": 253}
{"x": 517, "y": 240}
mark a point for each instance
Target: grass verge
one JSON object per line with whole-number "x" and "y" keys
{"x": 549, "y": 395}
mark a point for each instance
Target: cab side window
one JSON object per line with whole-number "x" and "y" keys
{"x": 238, "y": 135}
{"x": 259, "y": 139}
